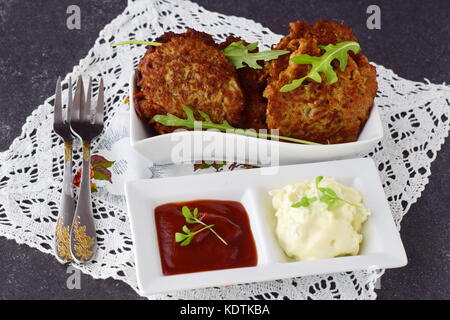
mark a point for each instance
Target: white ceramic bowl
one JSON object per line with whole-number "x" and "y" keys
{"x": 381, "y": 247}
{"x": 159, "y": 148}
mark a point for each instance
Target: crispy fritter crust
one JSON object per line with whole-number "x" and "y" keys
{"x": 254, "y": 114}
{"x": 318, "y": 111}
{"x": 188, "y": 70}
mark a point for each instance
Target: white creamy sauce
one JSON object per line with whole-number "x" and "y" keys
{"x": 314, "y": 231}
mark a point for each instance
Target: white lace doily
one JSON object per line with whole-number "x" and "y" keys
{"x": 415, "y": 117}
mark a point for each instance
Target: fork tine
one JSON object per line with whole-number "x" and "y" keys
{"x": 86, "y": 113}
{"x": 73, "y": 108}
{"x": 100, "y": 103}
{"x": 69, "y": 100}
{"x": 57, "y": 115}
{"x": 85, "y": 110}
{"x": 78, "y": 100}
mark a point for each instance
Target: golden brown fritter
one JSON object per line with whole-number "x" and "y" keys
{"x": 254, "y": 114}
{"x": 318, "y": 111}
{"x": 188, "y": 70}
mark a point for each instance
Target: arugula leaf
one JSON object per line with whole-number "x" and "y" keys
{"x": 238, "y": 54}
{"x": 171, "y": 120}
{"x": 304, "y": 202}
{"x": 323, "y": 63}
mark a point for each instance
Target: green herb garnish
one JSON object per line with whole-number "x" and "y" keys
{"x": 171, "y": 120}
{"x": 318, "y": 179}
{"x": 238, "y": 54}
{"x": 304, "y": 202}
{"x": 330, "y": 197}
{"x": 191, "y": 217}
{"x": 323, "y": 63}
{"x": 186, "y": 237}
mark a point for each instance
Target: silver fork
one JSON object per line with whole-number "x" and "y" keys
{"x": 67, "y": 206}
{"x": 82, "y": 234}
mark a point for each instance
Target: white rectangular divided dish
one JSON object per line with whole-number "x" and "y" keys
{"x": 158, "y": 148}
{"x": 381, "y": 248}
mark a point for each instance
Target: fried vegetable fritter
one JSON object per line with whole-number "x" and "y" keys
{"x": 315, "y": 111}
{"x": 188, "y": 70}
{"x": 254, "y": 114}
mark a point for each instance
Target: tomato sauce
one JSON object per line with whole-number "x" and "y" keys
{"x": 206, "y": 251}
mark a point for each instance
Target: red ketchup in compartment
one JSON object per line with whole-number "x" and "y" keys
{"x": 206, "y": 251}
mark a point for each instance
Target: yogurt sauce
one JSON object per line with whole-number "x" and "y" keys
{"x": 315, "y": 230}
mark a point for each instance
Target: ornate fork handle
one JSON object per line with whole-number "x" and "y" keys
{"x": 82, "y": 234}
{"x": 66, "y": 209}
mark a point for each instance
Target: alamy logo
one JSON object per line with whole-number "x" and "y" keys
{"x": 374, "y": 20}
{"x": 74, "y": 280}
{"x": 74, "y": 18}
{"x": 214, "y": 145}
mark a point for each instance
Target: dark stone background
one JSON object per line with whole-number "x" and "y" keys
{"x": 37, "y": 47}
